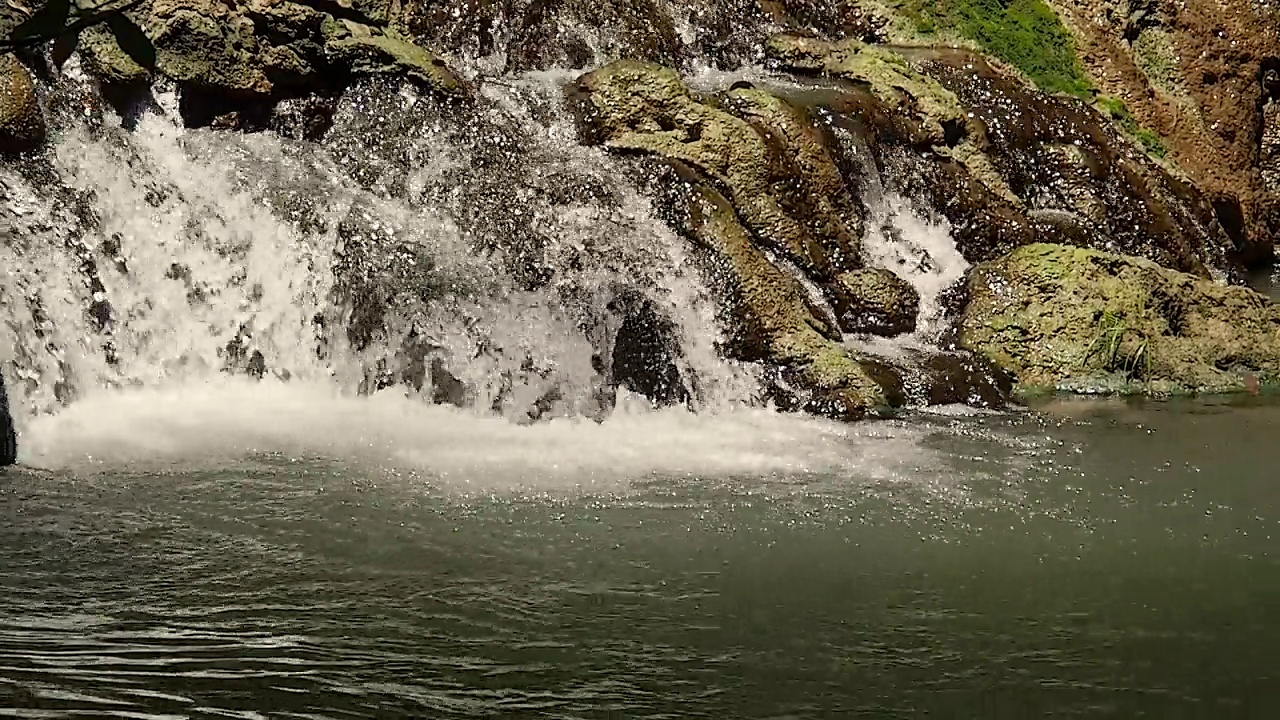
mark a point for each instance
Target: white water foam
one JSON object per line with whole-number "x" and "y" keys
{"x": 214, "y": 424}
{"x": 920, "y": 249}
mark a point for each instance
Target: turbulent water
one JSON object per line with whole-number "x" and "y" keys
{"x": 284, "y": 552}
{"x": 337, "y": 429}
{"x": 205, "y": 248}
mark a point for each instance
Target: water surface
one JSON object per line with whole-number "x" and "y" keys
{"x": 1092, "y": 559}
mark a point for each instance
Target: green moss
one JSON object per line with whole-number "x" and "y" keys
{"x": 1024, "y": 33}
{"x": 1118, "y": 112}
{"x": 1154, "y": 53}
{"x": 809, "y": 219}
{"x": 1087, "y": 321}
{"x": 367, "y": 51}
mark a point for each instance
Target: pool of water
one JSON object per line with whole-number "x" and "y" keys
{"x": 1088, "y": 559}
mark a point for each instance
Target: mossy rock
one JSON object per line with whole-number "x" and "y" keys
{"x": 773, "y": 320}
{"x": 1083, "y": 320}
{"x": 760, "y": 151}
{"x": 887, "y": 74}
{"x": 266, "y": 50}
{"x": 365, "y": 51}
{"x": 205, "y": 45}
{"x": 22, "y": 126}
{"x": 948, "y": 127}
{"x": 875, "y": 301}
{"x": 105, "y": 59}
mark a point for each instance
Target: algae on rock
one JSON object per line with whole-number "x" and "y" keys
{"x": 876, "y": 301}
{"x": 1077, "y": 319}
{"x": 367, "y": 51}
{"x": 950, "y": 129}
{"x": 263, "y": 50}
{"x": 21, "y": 122}
{"x": 774, "y": 319}
{"x": 785, "y": 189}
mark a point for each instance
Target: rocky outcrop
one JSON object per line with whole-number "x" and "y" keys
{"x": 765, "y": 179}
{"x": 1081, "y": 320}
{"x": 875, "y": 301}
{"x": 235, "y": 59}
{"x": 578, "y": 34}
{"x": 775, "y": 321}
{"x": 755, "y": 147}
{"x": 1007, "y": 164}
{"x": 21, "y": 123}
{"x": 1193, "y": 71}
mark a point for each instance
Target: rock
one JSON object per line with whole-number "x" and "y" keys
{"x": 875, "y": 301}
{"x": 105, "y": 59}
{"x": 1007, "y": 164}
{"x": 207, "y": 44}
{"x": 758, "y": 149}
{"x": 235, "y": 59}
{"x": 964, "y": 378}
{"x": 22, "y": 125}
{"x": 1189, "y": 71}
{"x": 774, "y": 322}
{"x": 646, "y": 348}
{"x": 8, "y": 436}
{"x": 364, "y": 51}
{"x": 1084, "y": 320}
{"x": 916, "y": 377}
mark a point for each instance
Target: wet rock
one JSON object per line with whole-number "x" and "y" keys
{"x": 964, "y": 378}
{"x": 916, "y": 377}
{"x": 755, "y": 148}
{"x": 365, "y": 51}
{"x": 237, "y": 59}
{"x": 1007, "y": 164}
{"x": 1079, "y": 319}
{"x": 645, "y": 350}
{"x": 305, "y": 118}
{"x": 22, "y": 126}
{"x": 207, "y": 44}
{"x": 875, "y": 301}
{"x": 1189, "y": 72}
{"x": 774, "y": 322}
{"x": 104, "y": 58}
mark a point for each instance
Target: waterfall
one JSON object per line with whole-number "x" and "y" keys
{"x": 916, "y": 244}
{"x": 490, "y": 262}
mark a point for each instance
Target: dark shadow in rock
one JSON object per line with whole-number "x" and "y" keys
{"x": 206, "y": 108}
{"x": 645, "y": 350}
{"x": 446, "y": 388}
{"x": 8, "y": 436}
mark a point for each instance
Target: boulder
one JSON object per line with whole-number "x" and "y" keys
{"x": 22, "y": 125}
{"x": 365, "y": 51}
{"x": 235, "y": 59}
{"x": 757, "y": 149}
{"x": 1075, "y": 319}
{"x": 875, "y": 301}
{"x": 105, "y": 59}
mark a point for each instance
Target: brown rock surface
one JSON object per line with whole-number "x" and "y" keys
{"x": 1192, "y": 70}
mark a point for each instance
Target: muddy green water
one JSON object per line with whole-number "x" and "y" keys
{"x": 1094, "y": 560}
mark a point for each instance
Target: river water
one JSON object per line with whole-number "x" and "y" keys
{"x": 303, "y": 555}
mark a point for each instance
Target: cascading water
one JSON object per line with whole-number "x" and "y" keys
{"x": 497, "y": 265}
{"x": 478, "y": 257}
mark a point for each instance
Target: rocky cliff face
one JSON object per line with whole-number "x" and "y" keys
{"x": 1200, "y": 73}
